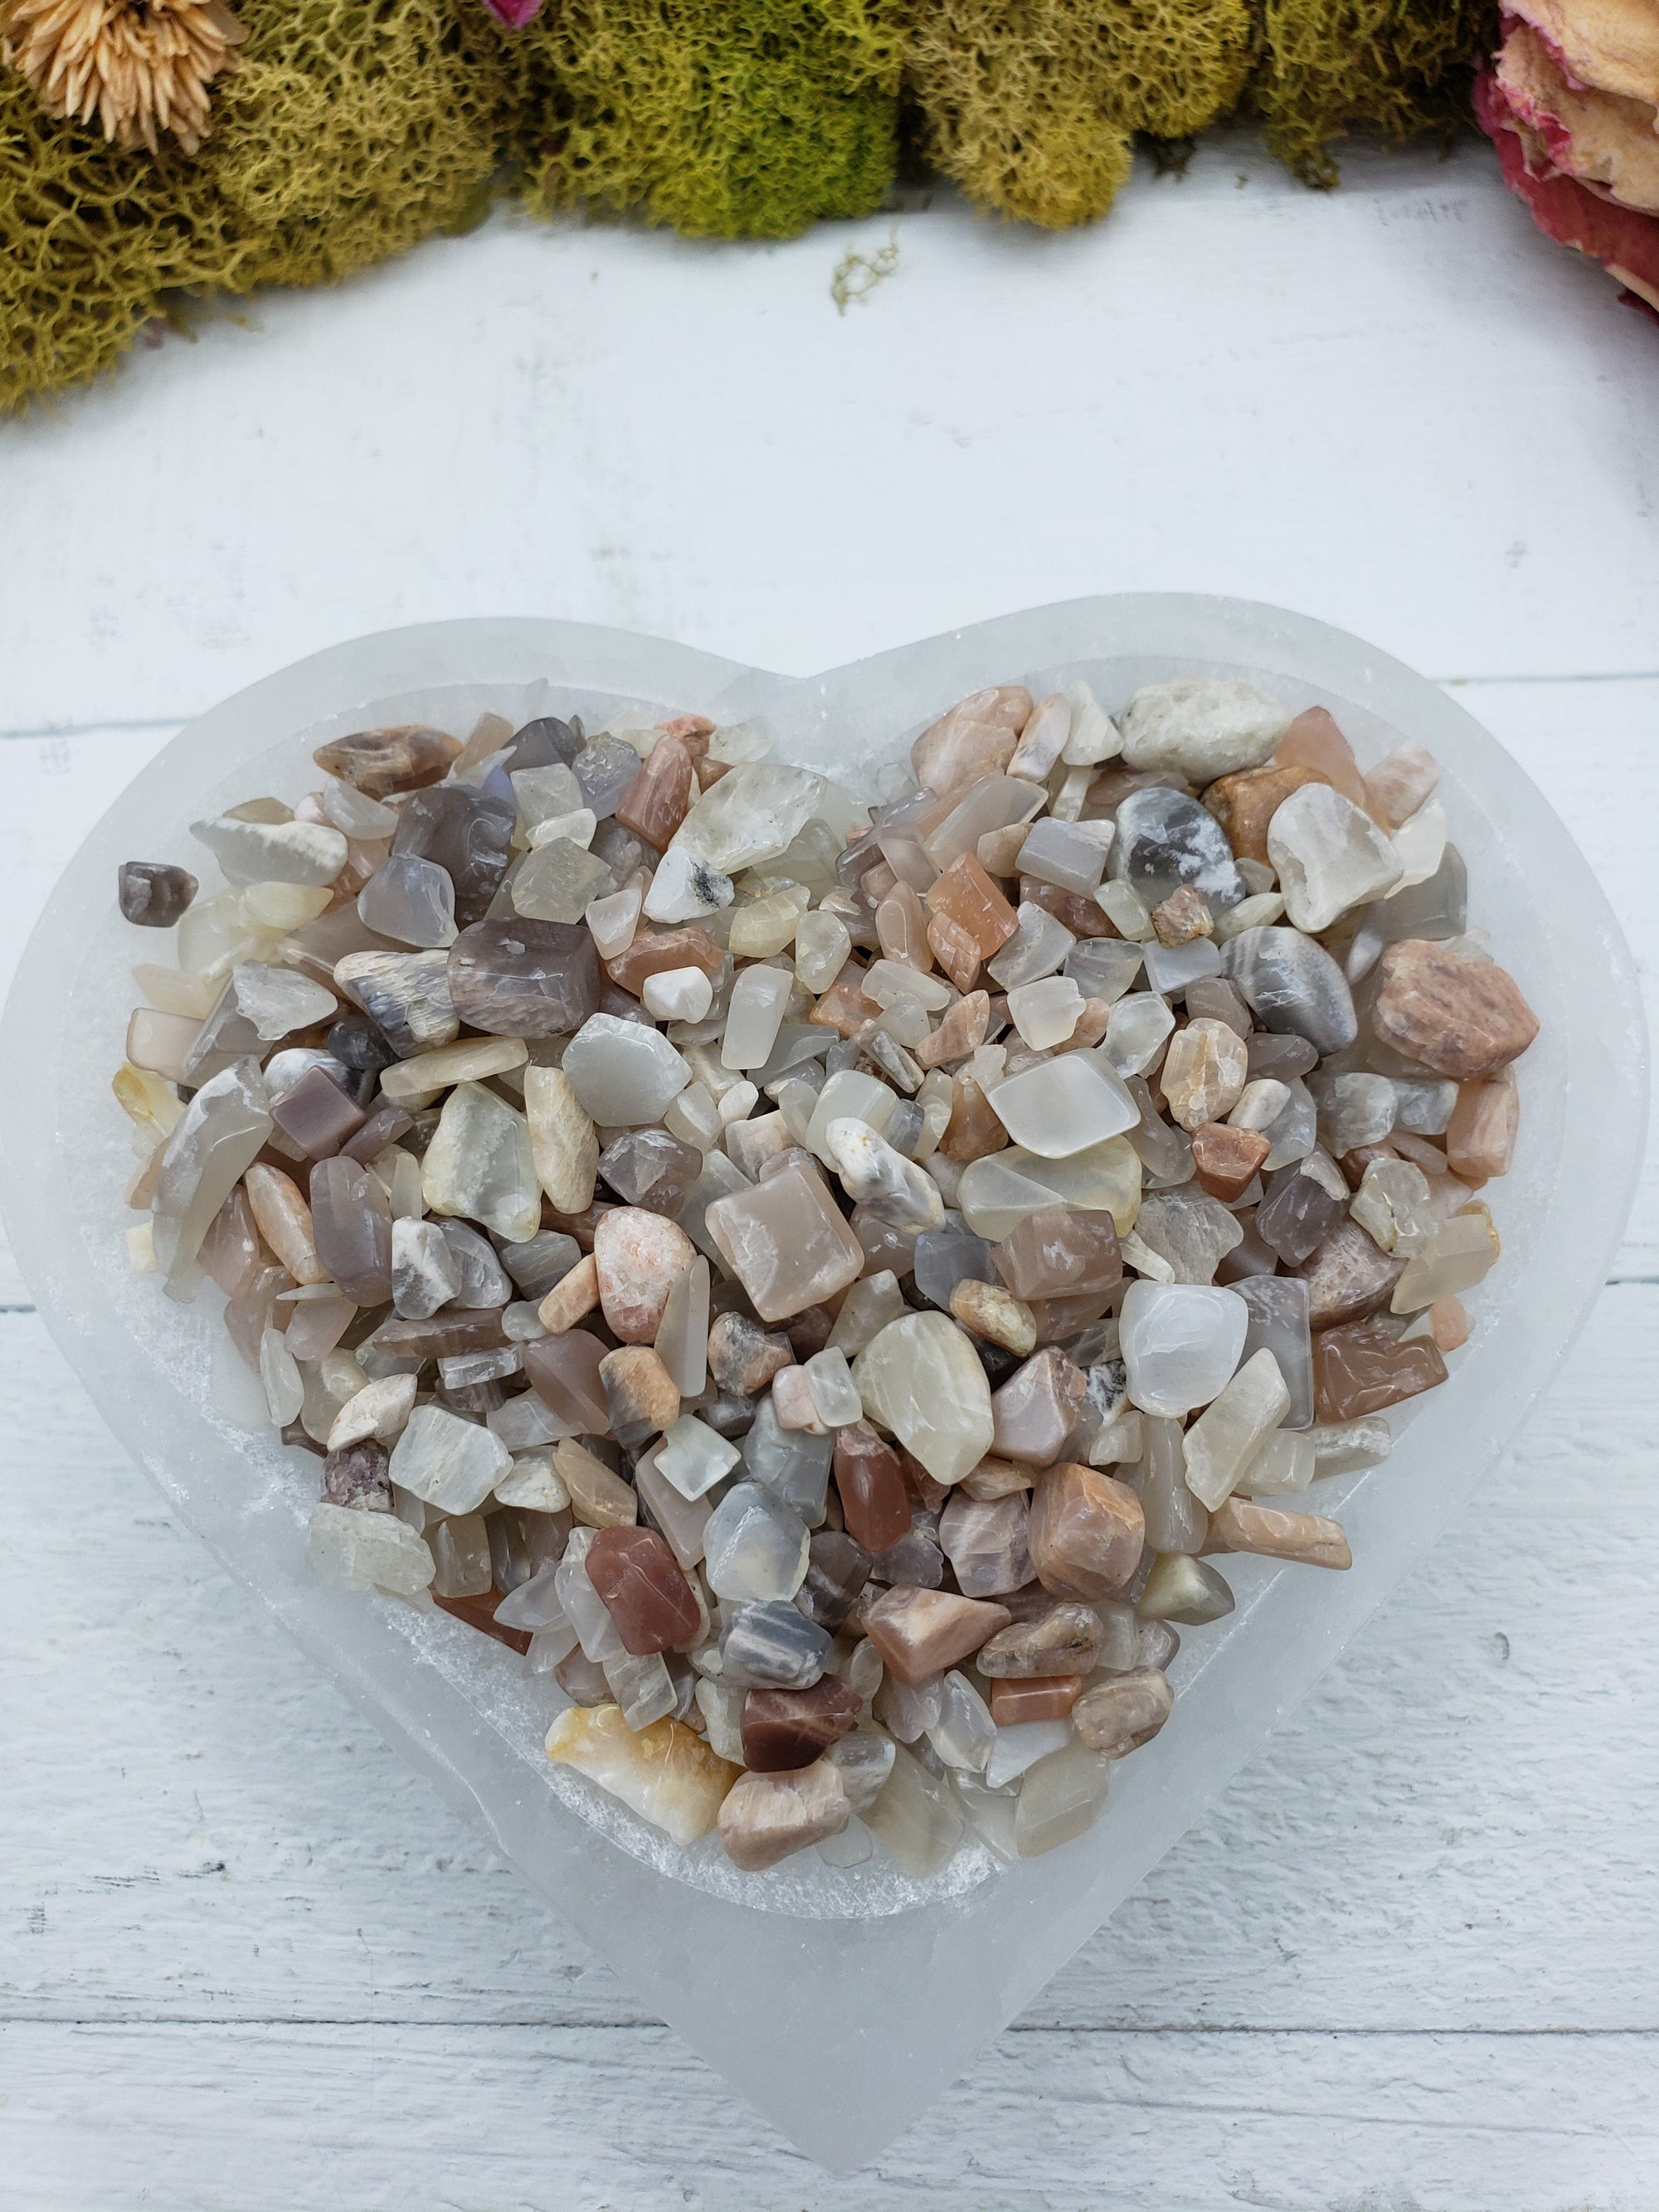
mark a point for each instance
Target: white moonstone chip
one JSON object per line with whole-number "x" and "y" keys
{"x": 1064, "y": 1105}
{"x": 452, "y": 1463}
{"x": 754, "y": 1547}
{"x": 350, "y": 1550}
{"x": 1181, "y": 1343}
{"x": 920, "y": 1379}
{"x": 1329, "y": 856}
{"x": 693, "y": 1457}
{"x": 623, "y": 1074}
{"x": 479, "y": 1164}
{"x": 1205, "y": 726}
{"x": 1232, "y": 1428}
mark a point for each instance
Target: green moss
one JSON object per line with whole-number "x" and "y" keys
{"x": 1032, "y": 107}
{"x": 1392, "y": 70}
{"x": 354, "y": 128}
{"x": 725, "y": 118}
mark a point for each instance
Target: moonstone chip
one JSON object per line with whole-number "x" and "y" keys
{"x": 152, "y": 893}
{"x": 1463, "y": 1252}
{"x": 644, "y": 1590}
{"x": 880, "y": 1179}
{"x": 1103, "y": 967}
{"x": 685, "y": 888}
{"x": 794, "y": 1464}
{"x": 922, "y": 1380}
{"x": 692, "y": 1458}
{"x": 379, "y": 761}
{"x": 754, "y": 812}
{"x": 559, "y": 881}
{"x": 1227, "y": 1435}
{"x": 409, "y": 900}
{"x": 1061, "y": 1797}
{"x": 1463, "y": 1018}
{"x": 452, "y": 1463}
{"x": 1192, "y": 1230}
{"x": 1393, "y": 1206}
{"x": 964, "y": 1732}
{"x": 1181, "y": 1344}
{"x": 821, "y": 948}
{"x": 985, "y": 1542}
{"x": 1284, "y": 1467}
{"x": 1038, "y": 947}
{"x": 1065, "y": 1105}
{"x": 666, "y": 1772}
{"x": 915, "y": 1816}
{"x": 1348, "y": 1277}
{"x": 786, "y": 1241}
{"x": 1278, "y": 1324}
{"x": 348, "y": 1549}
{"x": 640, "y": 1256}
{"x": 1359, "y": 1368}
{"x": 848, "y": 1093}
{"x": 257, "y": 1004}
{"x": 998, "y": 1193}
{"x": 1329, "y": 856}
{"x": 424, "y": 1273}
{"x": 1135, "y": 1030}
{"x": 219, "y": 1133}
{"x": 378, "y": 1410}
{"x": 1058, "y": 853}
{"x": 405, "y": 995}
{"x": 1085, "y": 1532}
{"x": 468, "y": 834}
{"x": 351, "y": 1224}
{"x": 681, "y": 1337}
{"x": 1185, "y": 1590}
{"x": 1062, "y": 1640}
{"x": 272, "y": 852}
{"x": 919, "y": 1632}
{"x": 1036, "y": 1409}
{"x": 1205, "y": 1070}
{"x": 767, "y": 1817}
{"x": 563, "y": 1142}
{"x": 784, "y": 1730}
{"x": 754, "y": 1545}
{"x": 524, "y": 978}
{"x": 1293, "y": 985}
{"x": 624, "y": 1074}
{"x": 479, "y": 1164}
{"x": 1203, "y": 727}
{"x": 1165, "y": 840}
{"x": 771, "y": 1645}
{"x": 564, "y": 1373}
{"x": 755, "y": 1015}
{"x": 870, "y": 1484}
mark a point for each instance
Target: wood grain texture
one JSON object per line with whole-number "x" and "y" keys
{"x": 1397, "y": 407}
{"x": 246, "y": 1959}
{"x": 516, "y": 2119}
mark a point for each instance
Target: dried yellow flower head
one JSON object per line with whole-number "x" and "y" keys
{"x": 135, "y": 67}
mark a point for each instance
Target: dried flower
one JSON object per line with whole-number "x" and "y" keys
{"x": 515, "y": 14}
{"x": 135, "y": 67}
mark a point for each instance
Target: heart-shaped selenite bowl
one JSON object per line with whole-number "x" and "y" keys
{"x": 841, "y": 2002}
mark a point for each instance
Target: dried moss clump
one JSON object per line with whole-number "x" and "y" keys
{"x": 352, "y": 128}
{"x": 1392, "y": 70}
{"x": 725, "y": 118}
{"x": 1031, "y": 108}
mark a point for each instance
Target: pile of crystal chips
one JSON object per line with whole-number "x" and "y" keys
{"x": 828, "y": 1288}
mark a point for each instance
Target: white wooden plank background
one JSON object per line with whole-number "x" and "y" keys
{"x": 245, "y": 1959}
